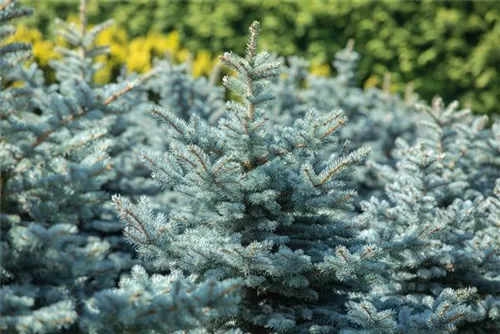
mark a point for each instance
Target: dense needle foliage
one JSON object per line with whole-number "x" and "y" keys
{"x": 302, "y": 204}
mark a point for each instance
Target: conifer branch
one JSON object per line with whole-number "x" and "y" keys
{"x": 5, "y": 4}
{"x": 252, "y": 42}
{"x": 193, "y": 150}
{"x": 83, "y": 17}
{"x": 332, "y": 172}
{"x": 125, "y": 212}
{"x": 339, "y": 124}
{"x": 129, "y": 87}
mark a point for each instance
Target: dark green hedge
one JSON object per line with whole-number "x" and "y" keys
{"x": 447, "y": 48}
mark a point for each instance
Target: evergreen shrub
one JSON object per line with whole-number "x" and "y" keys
{"x": 288, "y": 203}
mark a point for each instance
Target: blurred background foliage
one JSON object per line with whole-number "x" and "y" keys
{"x": 446, "y": 48}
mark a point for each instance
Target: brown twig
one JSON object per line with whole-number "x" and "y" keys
{"x": 129, "y": 87}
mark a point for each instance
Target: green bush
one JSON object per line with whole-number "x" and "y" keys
{"x": 446, "y": 47}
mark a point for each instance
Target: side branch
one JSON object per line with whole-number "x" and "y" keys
{"x": 129, "y": 87}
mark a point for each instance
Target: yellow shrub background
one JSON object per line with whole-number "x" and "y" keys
{"x": 136, "y": 54}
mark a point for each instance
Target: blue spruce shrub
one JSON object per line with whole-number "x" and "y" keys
{"x": 447, "y": 182}
{"x": 270, "y": 205}
{"x": 254, "y": 227}
{"x": 52, "y": 167}
{"x": 58, "y": 265}
{"x": 248, "y": 194}
{"x": 376, "y": 118}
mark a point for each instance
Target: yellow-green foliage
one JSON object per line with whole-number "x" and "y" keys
{"x": 136, "y": 54}
{"x": 445, "y": 47}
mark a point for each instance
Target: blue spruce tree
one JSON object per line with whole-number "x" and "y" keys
{"x": 268, "y": 205}
{"x": 50, "y": 179}
{"x": 256, "y": 229}
{"x": 376, "y": 118}
{"x": 56, "y": 272}
{"x": 444, "y": 182}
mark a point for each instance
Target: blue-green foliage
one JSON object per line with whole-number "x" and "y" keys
{"x": 436, "y": 183}
{"x": 184, "y": 95}
{"x": 251, "y": 215}
{"x": 50, "y": 180}
{"x": 60, "y": 151}
{"x": 159, "y": 304}
{"x": 270, "y": 206}
{"x": 257, "y": 201}
{"x": 376, "y": 118}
